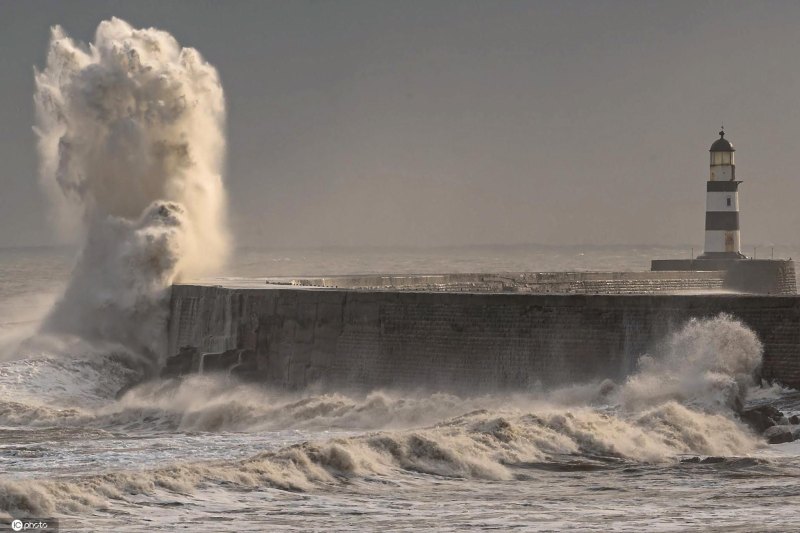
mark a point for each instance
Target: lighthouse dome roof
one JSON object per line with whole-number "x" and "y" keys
{"x": 722, "y": 144}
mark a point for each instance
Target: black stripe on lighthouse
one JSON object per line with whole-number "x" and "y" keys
{"x": 722, "y": 186}
{"x": 722, "y": 220}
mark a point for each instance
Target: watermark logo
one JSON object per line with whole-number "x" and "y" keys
{"x": 49, "y": 525}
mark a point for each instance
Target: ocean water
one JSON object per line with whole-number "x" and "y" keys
{"x": 661, "y": 451}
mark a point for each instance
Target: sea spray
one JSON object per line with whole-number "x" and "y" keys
{"x": 708, "y": 364}
{"x": 697, "y": 371}
{"x": 131, "y": 146}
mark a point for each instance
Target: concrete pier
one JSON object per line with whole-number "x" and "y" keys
{"x": 295, "y": 336}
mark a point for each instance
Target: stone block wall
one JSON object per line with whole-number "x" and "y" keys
{"x": 459, "y": 341}
{"x": 646, "y": 282}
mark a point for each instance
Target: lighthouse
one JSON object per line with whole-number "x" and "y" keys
{"x": 722, "y": 256}
{"x": 722, "y": 203}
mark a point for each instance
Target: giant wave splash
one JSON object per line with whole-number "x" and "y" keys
{"x": 131, "y": 146}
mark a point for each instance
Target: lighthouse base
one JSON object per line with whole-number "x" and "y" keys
{"x": 721, "y": 255}
{"x": 753, "y": 276}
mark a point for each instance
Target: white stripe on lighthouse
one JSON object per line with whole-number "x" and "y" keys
{"x": 722, "y": 201}
{"x": 722, "y": 241}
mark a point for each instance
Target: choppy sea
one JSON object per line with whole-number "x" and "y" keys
{"x": 662, "y": 451}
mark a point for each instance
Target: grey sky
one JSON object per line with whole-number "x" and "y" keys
{"x": 437, "y": 122}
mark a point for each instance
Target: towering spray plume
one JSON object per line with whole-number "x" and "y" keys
{"x": 131, "y": 145}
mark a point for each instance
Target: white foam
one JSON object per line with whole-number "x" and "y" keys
{"x": 131, "y": 144}
{"x": 709, "y": 363}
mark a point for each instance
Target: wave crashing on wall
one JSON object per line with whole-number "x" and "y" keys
{"x": 681, "y": 401}
{"x": 131, "y": 144}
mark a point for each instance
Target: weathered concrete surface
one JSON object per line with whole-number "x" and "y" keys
{"x": 458, "y": 341}
{"x": 645, "y": 282}
{"x": 755, "y": 276}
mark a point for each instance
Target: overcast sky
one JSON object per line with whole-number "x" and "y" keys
{"x": 446, "y": 123}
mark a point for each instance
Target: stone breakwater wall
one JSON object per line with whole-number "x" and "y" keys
{"x": 671, "y": 276}
{"x": 646, "y": 282}
{"x": 296, "y": 337}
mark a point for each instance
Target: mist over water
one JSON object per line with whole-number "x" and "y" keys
{"x": 131, "y": 145}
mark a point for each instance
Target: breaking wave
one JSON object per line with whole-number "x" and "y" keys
{"x": 681, "y": 401}
{"x": 131, "y": 146}
{"x": 479, "y": 445}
